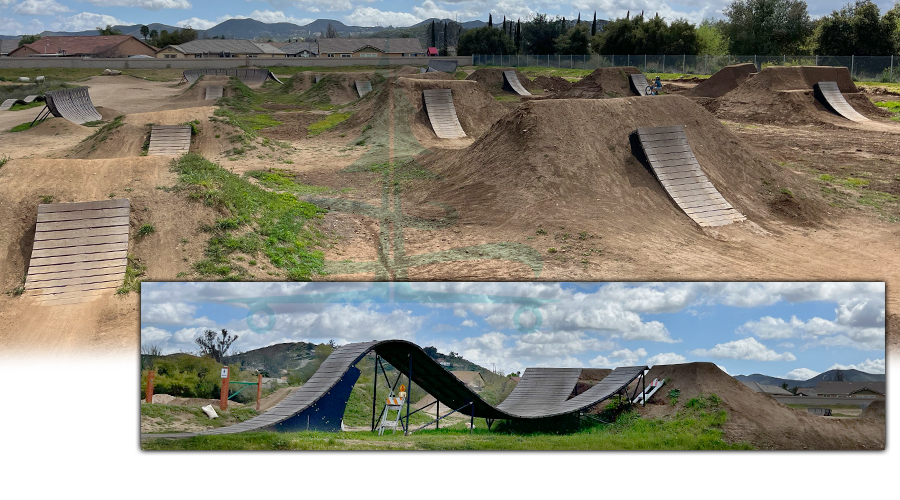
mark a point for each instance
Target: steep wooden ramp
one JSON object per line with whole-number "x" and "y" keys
{"x": 512, "y": 81}
{"x": 73, "y": 104}
{"x": 80, "y": 251}
{"x": 363, "y": 87}
{"x": 442, "y": 113}
{"x": 441, "y": 65}
{"x": 214, "y": 92}
{"x": 676, "y": 167}
{"x": 639, "y": 83}
{"x": 169, "y": 140}
{"x": 834, "y": 99}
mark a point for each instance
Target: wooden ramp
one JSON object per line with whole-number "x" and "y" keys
{"x": 540, "y": 388}
{"x": 318, "y": 78}
{"x": 512, "y": 81}
{"x": 169, "y": 140}
{"x": 442, "y": 113}
{"x": 674, "y": 164}
{"x": 72, "y": 104}
{"x": 247, "y": 76}
{"x": 8, "y": 104}
{"x": 80, "y": 251}
{"x": 639, "y": 83}
{"x": 30, "y": 98}
{"x": 441, "y": 65}
{"x": 214, "y": 92}
{"x": 363, "y": 87}
{"x": 830, "y": 94}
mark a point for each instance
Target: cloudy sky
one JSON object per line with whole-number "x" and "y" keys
{"x": 34, "y": 16}
{"x": 792, "y": 330}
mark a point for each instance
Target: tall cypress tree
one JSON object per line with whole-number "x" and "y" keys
{"x": 594, "y": 25}
{"x": 579, "y": 19}
{"x": 518, "y": 35}
{"x": 433, "y": 34}
{"x": 444, "y": 44}
{"x": 490, "y": 21}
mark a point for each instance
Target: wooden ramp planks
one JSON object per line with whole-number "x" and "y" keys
{"x": 442, "y": 65}
{"x": 72, "y": 104}
{"x": 80, "y": 250}
{"x": 8, "y": 104}
{"x": 214, "y": 92}
{"x": 318, "y": 78}
{"x": 442, "y": 113}
{"x": 674, "y": 164}
{"x": 513, "y": 82}
{"x": 831, "y": 94}
{"x": 169, "y": 140}
{"x": 363, "y": 87}
{"x": 639, "y": 83}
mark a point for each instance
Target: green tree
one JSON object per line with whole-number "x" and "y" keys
{"x": 490, "y": 21}
{"x": 145, "y": 32}
{"x": 215, "y": 345}
{"x": 576, "y": 41}
{"x": 712, "y": 40}
{"x": 681, "y": 38}
{"x": 857, "y": 29}
{"x": 108, "y": 30}
{"x": 539, "y": 34}
{"x": 484, "y": 40}
{"x": 331, "y": 32}
{"x": 26, "y": 39}
{"x": 768, "y": 27}
{"x": 594, "y": 25}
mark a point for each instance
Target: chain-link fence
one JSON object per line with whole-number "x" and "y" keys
{"x": 870, "y": 68}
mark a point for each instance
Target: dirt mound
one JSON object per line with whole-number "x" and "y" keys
{"x": 757, "y": 418}
{"x": 434, "y": 75}
{"x": 408, "y": 70}
{"x": 725, "y": 80}
{"x": 302, "y": 81}
{"x": 338, "y": 88}
{"x": 602, "y": 83}
{"x": 553, "y": 83}
{"x": 784, "y": 95}
{"x": 588, "y": 378}
{"x": 492, "y": 79}
{"x": 573, "y": 159}
{"x": 195, "y": 95}
{"x": 875, "y": 410}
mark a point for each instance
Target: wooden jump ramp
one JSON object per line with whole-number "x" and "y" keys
{"x": 363, "y": 87}
{"x": 214, "y": 92}
{"x": 511, "y": 80}
{"x": 72, "y": 104}
{"x": 442, "y": 113}
{"x": 169, "y": 140}
{"x": 320, "y": 403}
{"x": 80, "y": 251}
{"x": 639, "y": 83}
{"x": 5, "y": 105}
{"x": 442, "y": 65}
{"x": 675, "y": 166}
{"x": 831, "y": 95}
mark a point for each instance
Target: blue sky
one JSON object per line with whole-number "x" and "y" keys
{"x": 792, "y": 330}
{"x": 34, "y": 16}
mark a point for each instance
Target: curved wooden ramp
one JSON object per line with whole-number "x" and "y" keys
{"x": 31, "y": 98}
{"x": 540, "y": 387}
{"x": 674, "y": 164}
{"x": 442, "y": 65}
{"x": 639, "y": 83}
{"x": 214, "y": 92}
{"x": 169, "y": 140}
{"x": 318, "y": 78}
{"x": 80, "y": 250}
{"x": 363, "y": 87}
{"x": 512, "y": 81}
{"x": 442, "y": 113}
{"x": 72, "y": 104}
{"x": 834, "y": 99}
{"x": 8, "y": 104}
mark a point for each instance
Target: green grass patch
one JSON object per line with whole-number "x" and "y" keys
{"x": 403, "y": 171}
{"x": 32, "y": 104}
{"x": 21, "y": 127}
{"x": 102, "y": 133}
{"x": 4, "y": 159}
{"x": 327, "y": 123}
{"x": 286, "y": 181}
{"x": 134, "y": 270}
{"x": 892, "y": 106}
{"x": 855, "y": 183}
{"x": 877, "y": 199}
{"x": 257, "y": 221}
{"x": 170, "y": 414}
{"x": 146, "y": 230}
{"x": 63, "y": 74}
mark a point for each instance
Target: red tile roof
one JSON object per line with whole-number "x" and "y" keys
{"x": 78, "y": 45}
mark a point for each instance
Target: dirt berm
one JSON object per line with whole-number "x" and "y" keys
{"x": 572, "y": 160}
{"x": 602, "y": 83}
{"x": 195, "y": 95}
{"x": 784, "y": 95}
{"x": 725, "y": 80}
{"x": 334, "y": 88}
{"x": 757, "y": 418}
{"x": 875, "y": 410}
{"x": 492, "y": 80}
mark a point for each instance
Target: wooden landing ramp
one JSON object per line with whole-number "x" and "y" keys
{"x": 80, "y": 251}
{"x": 169, "y": 140}
{"x": 442, "y": 113}
{"x": 834, "y": 99}
{"x": 674, "y": 164}
{"x": 638, "y": 83}
{"x": 214, "y": 92}
{"x": 74, "y": 105}
{"x": 363, "y": 87}
{"x": 512, "y": 81}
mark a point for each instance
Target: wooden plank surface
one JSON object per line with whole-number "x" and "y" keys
{"x": 442, "y": 113}
{"x": 513, "y": 81}
{"x": 214, "y": 91}
{"x": 835, "y": 99}
{"x": 170, "y": 140}
{"x": 639, "y": 83}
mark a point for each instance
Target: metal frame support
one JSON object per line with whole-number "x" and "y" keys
{"x": 44, "y": 112}
{"x": 408, "y": 391}
{"x": 375, "y": 391}
{"x": 441, "y": 418}
{"x": 472, "y": 418}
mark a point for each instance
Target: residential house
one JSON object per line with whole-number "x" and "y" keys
{"x": 370, "y": 47}
{"x": 7, "y": 46}
{"x": 768, "y": 390}
{"x": 860, "y": 390}
{"x": 85, "y": 46}
{"x": 301, "y": 49}
{"x": 207, "y": 48}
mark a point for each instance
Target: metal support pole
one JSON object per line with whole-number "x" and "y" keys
{"x": 683, "y": 63}
{"x": 892, "y": 68}
{"x": 852, "y": 64}
{"x": 258, "y": 389}
{"x": 374, "y": 392}
{"x": 437, "y": 424}
{"x": 472, "y": 418}
{"x": 408, "y": 392}
{"x": 643, "y": 390}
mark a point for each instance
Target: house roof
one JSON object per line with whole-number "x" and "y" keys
{"x": 297, "y": 47}
{"x": 7, "y": 46}
{"x": 847, "y": 388}
{"x": 216, "y": 46}
{"x": 432, "y": 50}
{"x": 80, "y": 45}
{"x": 388, "y": 45}
{"x": 767, "y": 389}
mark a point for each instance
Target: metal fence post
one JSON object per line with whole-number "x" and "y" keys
{"x": 683, "y": 61}
{"x": 817, "y": 59}
{"x": 892, "y": 68}
{"x": 852, "y": 63}
{"x": 664, "y": 64}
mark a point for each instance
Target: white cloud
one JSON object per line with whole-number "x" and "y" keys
{"x": 144, "y": 4}
{"x": 723, "y": 369}
{"x": 748, "y": 348}
{"x": 666, "y": 358}
{"x": 277, "y": 16}
{"x": 151, "y": 335}
{"x": 469, "y": 323}
{"x": 197, "y": 23}
{"x": 368, "y": 16}
{"x": 771, "y": 328}
{"x": 801, "y": 374}
{"x": 9, "y": 26}
{"x": 538, "y": 345}
{"x": 170, "y": 313}
{"x": 622, "y": 357}
{"x": 868, "y": 366}
{"x": 319, "y": 5}
{"x": 39, "y": 8}
{"x": 85, "y": 21}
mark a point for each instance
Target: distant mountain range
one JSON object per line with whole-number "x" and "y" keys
{"x": 829, "y": 376}
{"x": 253, "y": 29}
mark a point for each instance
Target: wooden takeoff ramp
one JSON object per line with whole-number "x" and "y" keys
{"x": 834, "y": 99}
{"x": 169, "y": 140}
{"x": 674, "y": 164}
{"x": 442, "y": 113}
{"x": 80, "y": 251}
{"x": 363, "y": 87}
{"x": 72, "y": 104}
{"x": 512, "y": 81}
{"x": 639, "y": 83}
{"x": 214, "y": 92}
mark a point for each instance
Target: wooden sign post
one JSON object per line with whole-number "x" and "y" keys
{"x": 223, "y": 396}
{"x": 150, "y": 375}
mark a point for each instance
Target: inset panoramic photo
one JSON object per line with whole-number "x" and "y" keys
{"x": 513, "y": 366}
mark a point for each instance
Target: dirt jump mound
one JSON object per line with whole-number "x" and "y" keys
{"x": 492, "y": 80}
{"x": 195, "y": 94}
{"x": 756, "y": 418}
{"x": 577, "y": 159}
{"x": 875, "y": 410}
{"x": 724, "y": 81}
{"x": 784, "y": 95}
{"x": 602, "y": 83}
{"x": 553, "y": 83}
{"x": 338, "y": 88}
